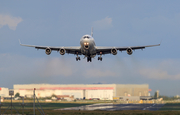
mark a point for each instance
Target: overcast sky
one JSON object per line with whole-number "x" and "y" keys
{"x": 116, "y": 23}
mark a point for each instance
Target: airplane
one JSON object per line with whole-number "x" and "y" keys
{"x": 88, "y": 48}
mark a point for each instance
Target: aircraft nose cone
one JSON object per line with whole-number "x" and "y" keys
{"x": 86, "y": 45}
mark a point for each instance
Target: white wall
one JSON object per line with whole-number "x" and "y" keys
{"x": 101, "y": 94}
{"x": 76, "y": 93}
{"x": 4, "y": 92}
{"x": 39, "y": 93}
{"x": 48, "y": 93}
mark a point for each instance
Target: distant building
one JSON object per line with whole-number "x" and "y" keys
{"x": 156, "y": 95}
{"x": 177, "y": 96}
{"x": 84, "y": 91}
{"x": 4, "y": 92}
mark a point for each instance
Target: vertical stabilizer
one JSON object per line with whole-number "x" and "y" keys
{"x": 92, "y": 31}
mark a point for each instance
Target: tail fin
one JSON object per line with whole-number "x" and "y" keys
{"x": 92, "y": 31}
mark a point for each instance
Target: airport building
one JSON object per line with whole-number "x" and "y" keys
{"x": 4, "y": 92}
{"x": 86, "y": 91}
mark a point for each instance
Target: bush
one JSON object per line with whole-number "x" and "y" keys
{"x": 17, "y": 95}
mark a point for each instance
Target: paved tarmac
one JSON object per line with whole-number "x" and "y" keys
{"x": 116, "y": 107}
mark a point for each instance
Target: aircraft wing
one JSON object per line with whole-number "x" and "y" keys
{"x": 107, "y": 50}
{"x": 69, "y": 50}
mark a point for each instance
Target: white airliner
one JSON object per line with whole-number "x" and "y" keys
{"x": 88, "y": 48}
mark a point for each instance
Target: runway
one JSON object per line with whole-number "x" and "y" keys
{"x": 117, "y": 107}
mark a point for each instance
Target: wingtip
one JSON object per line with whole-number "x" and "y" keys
{"x": 19, "y": 41}
{"x": 160, "y": 42}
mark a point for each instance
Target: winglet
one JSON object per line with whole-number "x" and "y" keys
{"x": 160, "y": 42}
{"x": 92, "y": 31}
{"x": 19, "y": 41}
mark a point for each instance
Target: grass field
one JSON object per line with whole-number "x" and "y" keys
{"x": 171, "y": 107}
{"x": 53, "y": 112}
{"x": 45, "y": 105}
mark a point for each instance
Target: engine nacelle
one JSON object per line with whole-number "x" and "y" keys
{"x": 114, "y": 51}
{"x": 48, "y": 51}
{"x": 62, "y": 51}
{"x": 129, "y": 51}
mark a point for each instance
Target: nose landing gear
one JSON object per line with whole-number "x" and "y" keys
{"x": 89, "y": 59}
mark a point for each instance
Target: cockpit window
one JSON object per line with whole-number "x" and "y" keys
{"x": 86, "y": 37}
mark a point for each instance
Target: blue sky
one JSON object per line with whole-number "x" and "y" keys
{"x": 116, "y": 23}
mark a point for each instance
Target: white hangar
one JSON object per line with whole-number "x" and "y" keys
{"x": 87, "y": 91}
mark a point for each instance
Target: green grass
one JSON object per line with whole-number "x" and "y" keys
{"x": 45, "y": 105}
{"x": 170, "y": 107}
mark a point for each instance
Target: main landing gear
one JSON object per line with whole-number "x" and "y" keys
{"x": 100, "y": 58}
{"x": 78, "y": 58}
{"x": 89, "y": 59}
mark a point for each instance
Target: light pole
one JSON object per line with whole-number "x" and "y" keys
{"x": 34, "y": 101}
{"x": 11, "y": 93}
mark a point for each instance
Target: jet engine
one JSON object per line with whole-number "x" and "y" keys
{"x": 129, "y": 51}
{"x": 48, "y": 51}
{"x": 114, "y": 51}
{"x": 62, "y": 51}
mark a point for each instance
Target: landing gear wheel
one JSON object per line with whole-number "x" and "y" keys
{"x": 100, "y": 58}
{"x": 78, "y": 58}
{"x": 88, "y": 59}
